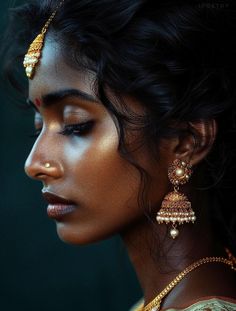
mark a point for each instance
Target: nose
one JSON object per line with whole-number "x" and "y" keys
{"x": 41, "y": 167}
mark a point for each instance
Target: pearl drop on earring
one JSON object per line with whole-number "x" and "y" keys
{"x": 174, "y": 232}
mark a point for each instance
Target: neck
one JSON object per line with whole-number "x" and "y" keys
{"x": 157, "y": 259}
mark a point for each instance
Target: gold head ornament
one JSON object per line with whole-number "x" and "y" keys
{"x": 34, "y": 52}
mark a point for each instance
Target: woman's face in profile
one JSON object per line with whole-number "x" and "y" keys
{"x": 79, "y": 139}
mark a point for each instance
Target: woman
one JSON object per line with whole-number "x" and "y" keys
{"x": 135, "y": 120}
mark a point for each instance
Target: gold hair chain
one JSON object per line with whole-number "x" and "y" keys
{"x": 34, "y": 52}
{"x": 155, "y": 304}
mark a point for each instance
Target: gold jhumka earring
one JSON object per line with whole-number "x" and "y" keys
{"x": 176, "y": 208}
{"x": 34, "y": 52}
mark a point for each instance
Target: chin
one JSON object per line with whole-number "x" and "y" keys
{"x": 78, "y": 237}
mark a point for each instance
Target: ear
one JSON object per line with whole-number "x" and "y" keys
{"x": 197, "y": 141}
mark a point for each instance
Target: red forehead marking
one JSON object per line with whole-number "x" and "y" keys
{"x": 38, "y": 102}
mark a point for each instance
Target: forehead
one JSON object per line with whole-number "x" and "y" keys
{"x": 53, "y": 73}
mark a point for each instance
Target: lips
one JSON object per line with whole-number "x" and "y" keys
{"x": 54, "y": 199}
{"x": 58, "y": 206}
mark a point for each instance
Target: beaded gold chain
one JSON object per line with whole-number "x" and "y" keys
{"x": 155, "y": 304}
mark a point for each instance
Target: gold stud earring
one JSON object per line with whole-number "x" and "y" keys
{"x": 176, "y": 208}
{"x": 47, "y": 165}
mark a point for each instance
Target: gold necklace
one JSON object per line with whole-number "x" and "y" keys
{"x": 155, "y": 304}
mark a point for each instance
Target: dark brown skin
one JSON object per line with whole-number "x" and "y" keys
{"x": 89, "y": 170}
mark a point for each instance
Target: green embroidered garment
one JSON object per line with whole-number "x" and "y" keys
{"x": 206, "y": 304}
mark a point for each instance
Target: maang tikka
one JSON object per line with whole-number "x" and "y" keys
{"x": 34, "y": 52}
{"x": 176, "y": 208}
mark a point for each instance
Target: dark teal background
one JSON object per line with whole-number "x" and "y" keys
{"x": 37, "y": 270}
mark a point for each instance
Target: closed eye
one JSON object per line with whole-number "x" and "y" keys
{"x": 77, "y": 129}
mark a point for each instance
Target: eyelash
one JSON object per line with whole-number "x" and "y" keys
{"x": 78, "y": 129}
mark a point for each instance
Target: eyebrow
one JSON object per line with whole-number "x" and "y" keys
{"x": 52, "y": 98}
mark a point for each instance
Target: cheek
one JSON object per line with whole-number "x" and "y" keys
{"x": 99, "y": 173}
{"x": 104, "y": 185}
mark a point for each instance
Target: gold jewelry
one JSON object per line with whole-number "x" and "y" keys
{"x": 47, "y": 165}
{"x": 34, "y": 52}
{"x": 155, "y": 304}
{"x": 176, "y": 207}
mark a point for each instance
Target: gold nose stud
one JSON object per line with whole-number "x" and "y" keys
{"x": 47, "y": 165}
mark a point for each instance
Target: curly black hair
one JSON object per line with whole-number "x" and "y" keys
{"x": 178, "y": 59}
